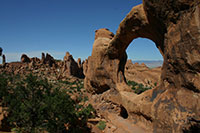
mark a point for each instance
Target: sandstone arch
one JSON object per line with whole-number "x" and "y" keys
{"x": 174, "y": 26}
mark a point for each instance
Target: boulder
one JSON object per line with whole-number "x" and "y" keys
{"x": 174, "y": 27}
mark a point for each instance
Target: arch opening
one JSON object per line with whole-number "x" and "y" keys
{"x": 143, "y": 66}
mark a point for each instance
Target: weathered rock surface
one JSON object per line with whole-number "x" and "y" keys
{"x": 174, "y": 26}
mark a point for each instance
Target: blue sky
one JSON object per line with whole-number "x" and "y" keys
{"x": 58, "y": 26}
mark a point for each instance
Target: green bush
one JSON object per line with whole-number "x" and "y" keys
{"x": 101, "y": 125}
{"x": 138, "y": 88}
{"x": 34, "y": 105}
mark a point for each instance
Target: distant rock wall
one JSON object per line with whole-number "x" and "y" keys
{"x": 174, "y": 26}
{"x": 67, "y": 67}
{"x": 140, "y": 73}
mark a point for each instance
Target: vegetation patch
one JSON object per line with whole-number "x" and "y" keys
{"x": 137, "y": 87}
{"x": 101, "y": 125}
{"x": 35, "y": 105}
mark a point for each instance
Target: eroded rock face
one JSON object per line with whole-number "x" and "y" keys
{"x": 174, "y": 27}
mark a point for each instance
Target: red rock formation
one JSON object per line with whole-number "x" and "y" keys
{"x": 43, "y": 58}
{"x": 1, "y": 50}
{"x": 70, "y": 67}
{"x": 3, "y": 59}
{"x": 174, "y": 27}
{"x": 49, "y": 60}
{"x": 25, "y": 59}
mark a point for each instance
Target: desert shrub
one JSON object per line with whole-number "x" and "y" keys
{"x": 133, "y": 84}
{"x": 138, "y": 88}
{"x": 101, "y": 125}
{"x": 34, "y": 105}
